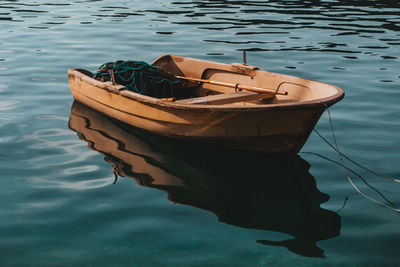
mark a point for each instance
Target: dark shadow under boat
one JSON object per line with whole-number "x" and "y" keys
{"x": 242, "y": 189}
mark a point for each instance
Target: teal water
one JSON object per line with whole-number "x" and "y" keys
{"x": 61, "y": 207}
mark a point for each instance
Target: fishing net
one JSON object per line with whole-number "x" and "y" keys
{"x": 142, "y": 78}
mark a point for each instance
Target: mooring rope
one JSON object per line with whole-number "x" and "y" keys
{"x": 341, "y": 155}
{"x": 355, "y": 173}
{"x": 354, "y": 162}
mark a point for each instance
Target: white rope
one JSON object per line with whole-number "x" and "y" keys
{"x": 346, "y": 169}
{"x": 355, "y": 173}
{"x": 356, "y": 163}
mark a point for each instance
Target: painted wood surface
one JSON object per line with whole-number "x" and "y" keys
{"x": 276, "y": 126}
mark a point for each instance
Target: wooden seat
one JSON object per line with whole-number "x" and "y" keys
{"x": 221, "y": 99}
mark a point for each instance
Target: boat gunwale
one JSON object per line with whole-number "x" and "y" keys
{"x": 311, "y": 104}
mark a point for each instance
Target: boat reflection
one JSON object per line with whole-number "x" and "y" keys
{"x": 244, "y": 190}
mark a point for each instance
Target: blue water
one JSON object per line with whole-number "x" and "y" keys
{"x": 60, "y": 206}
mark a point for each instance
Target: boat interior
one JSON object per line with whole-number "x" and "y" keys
{"x": 213, "y": 83}
{"x": 280, "y": 88}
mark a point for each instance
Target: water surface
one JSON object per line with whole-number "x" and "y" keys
{"x": 61, "y": 204}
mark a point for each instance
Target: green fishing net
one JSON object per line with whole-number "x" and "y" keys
{"x": 142, "y": 78}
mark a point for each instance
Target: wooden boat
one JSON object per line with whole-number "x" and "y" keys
{"x": 274, "y": 121}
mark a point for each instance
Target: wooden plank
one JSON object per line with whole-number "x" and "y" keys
{"x": 221, "y": 99}
{"x": 237, "y": 86}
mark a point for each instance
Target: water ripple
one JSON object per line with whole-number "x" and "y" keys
{"x": 55, "y": 190}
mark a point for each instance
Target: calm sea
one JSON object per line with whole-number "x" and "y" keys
{"x": 178, "y": 205}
